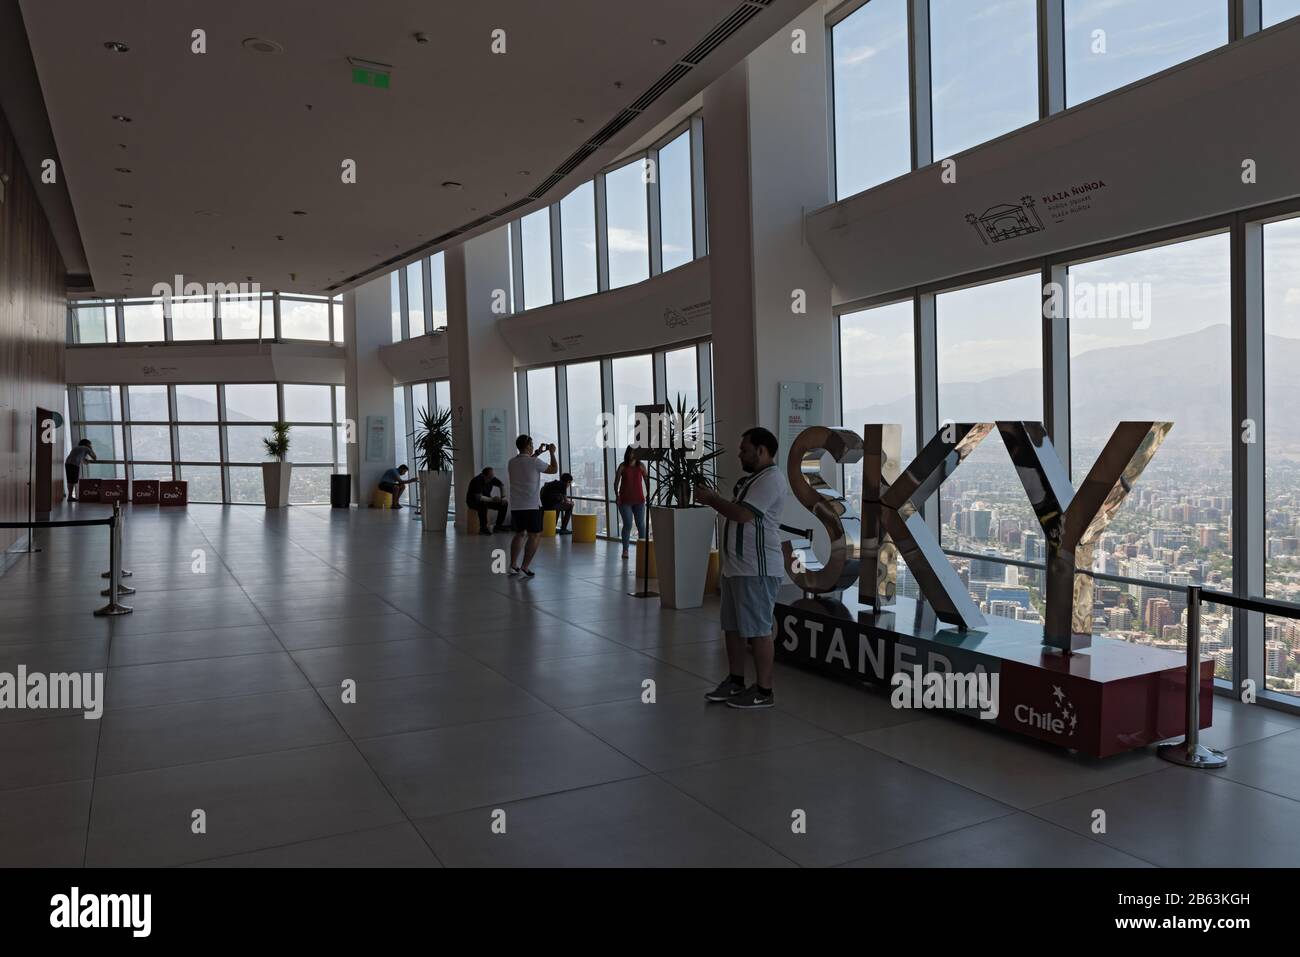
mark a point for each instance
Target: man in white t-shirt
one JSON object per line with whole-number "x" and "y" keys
{"x": 753, "y": 568}
{"x": 526, "y": 471}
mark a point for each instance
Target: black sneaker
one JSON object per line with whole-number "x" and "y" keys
{"x": 751, "y": 699}
{"x": 513, "y": 570}
{"x": 485, "y": 531}
{"x": 564, "y": 531}
{"x": 727, "y": 689}
{"x": 529, "y": 572}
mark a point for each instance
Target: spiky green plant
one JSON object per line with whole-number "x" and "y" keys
{"x": 433, "y": 448}
{"x": 687, "y": 449}
{"x": 277, "y": 445}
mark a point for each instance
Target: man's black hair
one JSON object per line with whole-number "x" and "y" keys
{"x": 486, "y": 469}
{"x": 521, "y": 443}
{"x": 566, "y": 478}
{"x": 761, "y": 436}
{"x": 403, "y": 468}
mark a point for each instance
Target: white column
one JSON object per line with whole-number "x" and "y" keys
{"x": 367, "y": 320}
{"x": 482, "y": 365}
{"x": 767, "y": 157}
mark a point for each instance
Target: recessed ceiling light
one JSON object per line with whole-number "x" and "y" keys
{"x": 121, "y": 169}
{"x": 126, "y": 234}
{"x": 262, "y": 45}
{"x": 300, "y": 212}
{"x": 659, "y": 41}
{"x": 125, "y": 206}
{"x": 579, "y": 120}
{"x": 281, "y": 238}
{"x": 451, "y": 184}
{"x": 524, "y": 172}
{"x": 116, "y": 46}
{"x": 121, "y": 118}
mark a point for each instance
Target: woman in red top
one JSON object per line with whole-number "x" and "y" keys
{"x": 629, "y": 493}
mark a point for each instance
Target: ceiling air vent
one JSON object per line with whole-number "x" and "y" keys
{"x": 723, "y": 32}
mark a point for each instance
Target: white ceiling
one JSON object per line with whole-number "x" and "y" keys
{"x": 224, "y": 147}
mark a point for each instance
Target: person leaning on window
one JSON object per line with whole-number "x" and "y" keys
{"x": 72, "y": 465}
{"x": 480, "y": 499}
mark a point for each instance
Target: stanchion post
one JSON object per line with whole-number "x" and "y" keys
{"x": 123, "y": 573}
{"x": 1190, "y": 753}
{"x": 113, "y": 608}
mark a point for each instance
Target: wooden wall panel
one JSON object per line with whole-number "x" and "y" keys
{"x": 32, "y": 329}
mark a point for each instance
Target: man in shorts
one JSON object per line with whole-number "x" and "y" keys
{"x": 526, "y": 471}
{"x": 752, "y": 569}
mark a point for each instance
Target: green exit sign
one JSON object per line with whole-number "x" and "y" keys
{"x": 365, "y": 77}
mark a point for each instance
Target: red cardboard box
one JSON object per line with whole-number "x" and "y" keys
{"x": 113, "y": 490}
{"x": 88, "y": 490}
{"x": 144, "y": 492}
{"x": 173, "y": 493}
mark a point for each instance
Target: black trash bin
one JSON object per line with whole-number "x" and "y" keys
{"x": 340, "y": 491}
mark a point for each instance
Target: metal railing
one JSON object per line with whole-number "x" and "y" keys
{"x": 115, "y": 572}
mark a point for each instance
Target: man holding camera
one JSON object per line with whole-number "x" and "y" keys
{"x": 526, "y": 471}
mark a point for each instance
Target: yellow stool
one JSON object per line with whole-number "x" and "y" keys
{"x": 471, "y": 521}
{"x": 711, "y": 579}
{"x": 548, "y": 523}
{"x": 584, "y": 527}
{"x": 381, "y": 499}
{"x": 641, "y": 547}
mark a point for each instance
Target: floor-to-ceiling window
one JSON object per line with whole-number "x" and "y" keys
{"x": 543, "y": 414}
{"x": 990, "y": 366}
{"x": 152, "y": 431}
{"x": 877, "y": 379}
{"x": 676, "y": 205}
{"x": 1149, "y": 339}
{"x": 873, "y": 142}
{"x": 585, "y": 458}
{"x": 1282, "y": 449}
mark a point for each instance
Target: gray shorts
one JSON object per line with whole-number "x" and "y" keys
{"x": 748, "y": 604}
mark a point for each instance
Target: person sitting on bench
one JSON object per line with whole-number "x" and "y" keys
{"x": 555, "y": 496}
{"x": 480, "y": 499}
{"x": 394, "y": 484}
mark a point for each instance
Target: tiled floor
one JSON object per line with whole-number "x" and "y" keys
{"x": 502, "y": 722}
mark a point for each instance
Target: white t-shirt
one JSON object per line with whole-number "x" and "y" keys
{"x": 525, "y": 473}
{"x": 754, "y": 548}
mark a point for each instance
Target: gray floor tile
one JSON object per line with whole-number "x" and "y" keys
{"x": 856, "y": 802}
{"x": 386, "y": 659}
{"x": 1271, "y": 764}
{"x": 453, "y": 769}
{"x": 595, "y": 679}
{"x": 297, "y": 635}
{"x": 1017, "y": 840}
{"x": 139, "y": 739}
{"x": 47, "y": 751}
{"x": 1178, "y": 817}
{"x": 1005, "y": 766}
{"x": 683, "y": 729}
{"x": 641, "y": 822}
{"x": 143, "y": 686}
{"x": 397, "y": 845}
{"x": 144, "y": 818}
{"x": 44, "y": 826}
{"x": 418, "y": 702}
{"x": 185, "y": 645}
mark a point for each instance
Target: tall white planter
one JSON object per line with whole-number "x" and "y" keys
{"x": 681, "y": 538}
{"x": 435, "y": 495}
{"x": 275, "y": 483}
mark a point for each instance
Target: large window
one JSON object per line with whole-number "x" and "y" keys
{"x": 543, "y": 417}
{"x": 438, "y": 287}
{"x": 305, "y": 319}
{"x": 872, "y": 115}
{"x": 238, "y": 315}
{"x": 585, "y": 458}
{"x": 192, "y": 320}
{"x": 1111, "y": 43}
{"x": 990, "y": 366}
{"x": 95, "y": 322}
{"x": 1282, "y": 448}
{"x": 878, "y": 379}
{"x": 243, "y": 317}
{"x": 535, "y": 233}
{"x": 415, "y": 300}
{"x": 628, "y": 227}
{"x": 578, "y": 241}
{"x": 984, "y": 69}
{"x": 676, "y": 210}
{"x": 142, "y": 320}
{"x": 179, "y": 431}
{"x": 1149, "y": 339}
{"x": 395, "y": 302}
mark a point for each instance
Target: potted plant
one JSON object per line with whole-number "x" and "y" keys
{"x": 275, "y": 474}
{"x": 433, "y": 461}
{"x": 682, "y": 531}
